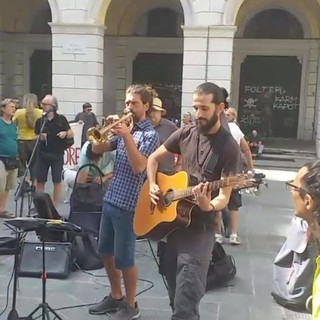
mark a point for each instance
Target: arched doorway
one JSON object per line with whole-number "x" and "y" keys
{"x": 269, "y": 92}
{"x": 144, "y": 45}
{"x": 161, "y": 70}
{"x": 270, "y": 71}
{"x": 273, "y": 24}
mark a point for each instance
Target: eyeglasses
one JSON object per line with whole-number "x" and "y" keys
{"x": 291, "y": 187}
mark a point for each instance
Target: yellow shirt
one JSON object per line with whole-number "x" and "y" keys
{"x": 24, "y": 132}
{"x": 316, "y": 293}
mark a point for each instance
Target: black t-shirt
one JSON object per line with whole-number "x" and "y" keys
{"x": 196, "y": 151}
{"x": 53, "y": 144}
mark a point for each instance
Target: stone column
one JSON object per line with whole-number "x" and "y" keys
{"x": 313, "y": 77}
{"x": 123, "y": 62}
{"x": 2, "y": 77}
{"x": 11, "y": 66}
{"x": 207, "y": 57}
{"x": 16, "y": 57}
{"x": 77, "y": 66}
{"x": 109, "y": 79}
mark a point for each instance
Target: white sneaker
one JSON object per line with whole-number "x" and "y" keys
{"x": 218, "y": 238}
{"x": 234, "y": 239}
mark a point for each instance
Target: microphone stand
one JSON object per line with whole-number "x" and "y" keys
{"x": 20, "y": 192}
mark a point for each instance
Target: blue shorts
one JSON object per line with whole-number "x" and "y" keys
{"x": 116, "y": 237}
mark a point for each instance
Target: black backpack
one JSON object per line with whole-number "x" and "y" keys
{"x": 222, "y": 268}
{"x": 87, "y": 198}
{"x": 85, "y": 252}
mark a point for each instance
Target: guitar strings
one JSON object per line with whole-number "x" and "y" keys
{"x": 182, "y": 193}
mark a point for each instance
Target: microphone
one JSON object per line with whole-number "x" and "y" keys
{"x": 51, "y": 109}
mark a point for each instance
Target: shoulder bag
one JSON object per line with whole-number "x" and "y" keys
{"x": 10, "y": 163}
{"x": 294, "y": 268}
{"x": 67, "y": 142}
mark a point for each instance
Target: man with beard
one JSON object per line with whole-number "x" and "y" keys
{"x": 189, "y": 249}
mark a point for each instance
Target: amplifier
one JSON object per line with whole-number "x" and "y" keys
{"x": 58, "y": 259}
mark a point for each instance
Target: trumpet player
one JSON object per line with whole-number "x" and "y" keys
{"x": 117, "y": 239}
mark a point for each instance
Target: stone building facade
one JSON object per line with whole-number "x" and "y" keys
{"x": 265, "y": 52}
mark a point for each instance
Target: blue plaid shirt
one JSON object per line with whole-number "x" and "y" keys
{"x": 125, "y": 186}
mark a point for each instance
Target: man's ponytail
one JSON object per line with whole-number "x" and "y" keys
{"x": 225, "y": 95}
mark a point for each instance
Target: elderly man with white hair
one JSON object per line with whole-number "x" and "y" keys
{"x": 52, "y": 145}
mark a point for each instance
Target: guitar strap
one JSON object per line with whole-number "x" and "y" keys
{"x": 209, "y": 167}
{"x": 217, "y": 146}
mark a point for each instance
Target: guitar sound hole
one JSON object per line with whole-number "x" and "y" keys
{"x": 167, "y": 198}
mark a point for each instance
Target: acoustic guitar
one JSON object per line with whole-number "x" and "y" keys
{"x": 174, "y": 209}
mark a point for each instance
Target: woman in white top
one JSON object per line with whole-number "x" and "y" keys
{"x": 238, "y": 135}
{"x": 235, "y": 199}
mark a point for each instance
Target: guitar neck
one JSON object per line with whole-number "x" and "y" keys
{"x": 213, "y": 185}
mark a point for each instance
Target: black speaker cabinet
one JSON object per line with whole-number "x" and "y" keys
{"x": 58, "y": 260}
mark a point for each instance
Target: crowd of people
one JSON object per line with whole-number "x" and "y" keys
{"x": 19, "y": 129}
{"x": 209, "y": 142}
{"x": 28, "y": 119}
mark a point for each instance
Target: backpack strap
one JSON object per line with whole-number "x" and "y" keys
{"x": 91, "y": 165}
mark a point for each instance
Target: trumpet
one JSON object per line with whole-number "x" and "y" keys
{"x": 104, "y": 134}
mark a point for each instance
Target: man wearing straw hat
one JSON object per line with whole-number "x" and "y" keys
{"x": 164, "y": 128}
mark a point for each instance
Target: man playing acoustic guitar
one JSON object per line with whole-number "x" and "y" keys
{"x": 189, "y": 249}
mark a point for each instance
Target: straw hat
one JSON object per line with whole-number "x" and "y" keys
{"x": 157, "y": 105}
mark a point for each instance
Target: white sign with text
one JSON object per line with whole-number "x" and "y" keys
{"x": 75, "y": 48}
{"x": 71, "y": 155}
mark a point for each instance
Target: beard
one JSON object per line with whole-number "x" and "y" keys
{"x": 135, "y": 118}
{"x": 205, "y": 125}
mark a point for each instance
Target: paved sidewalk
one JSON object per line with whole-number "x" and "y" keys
{"x": 263, "y": 226}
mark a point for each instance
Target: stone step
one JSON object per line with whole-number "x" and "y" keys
{"x": 278, "y": 151}
{"x": 284, "y": 157}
